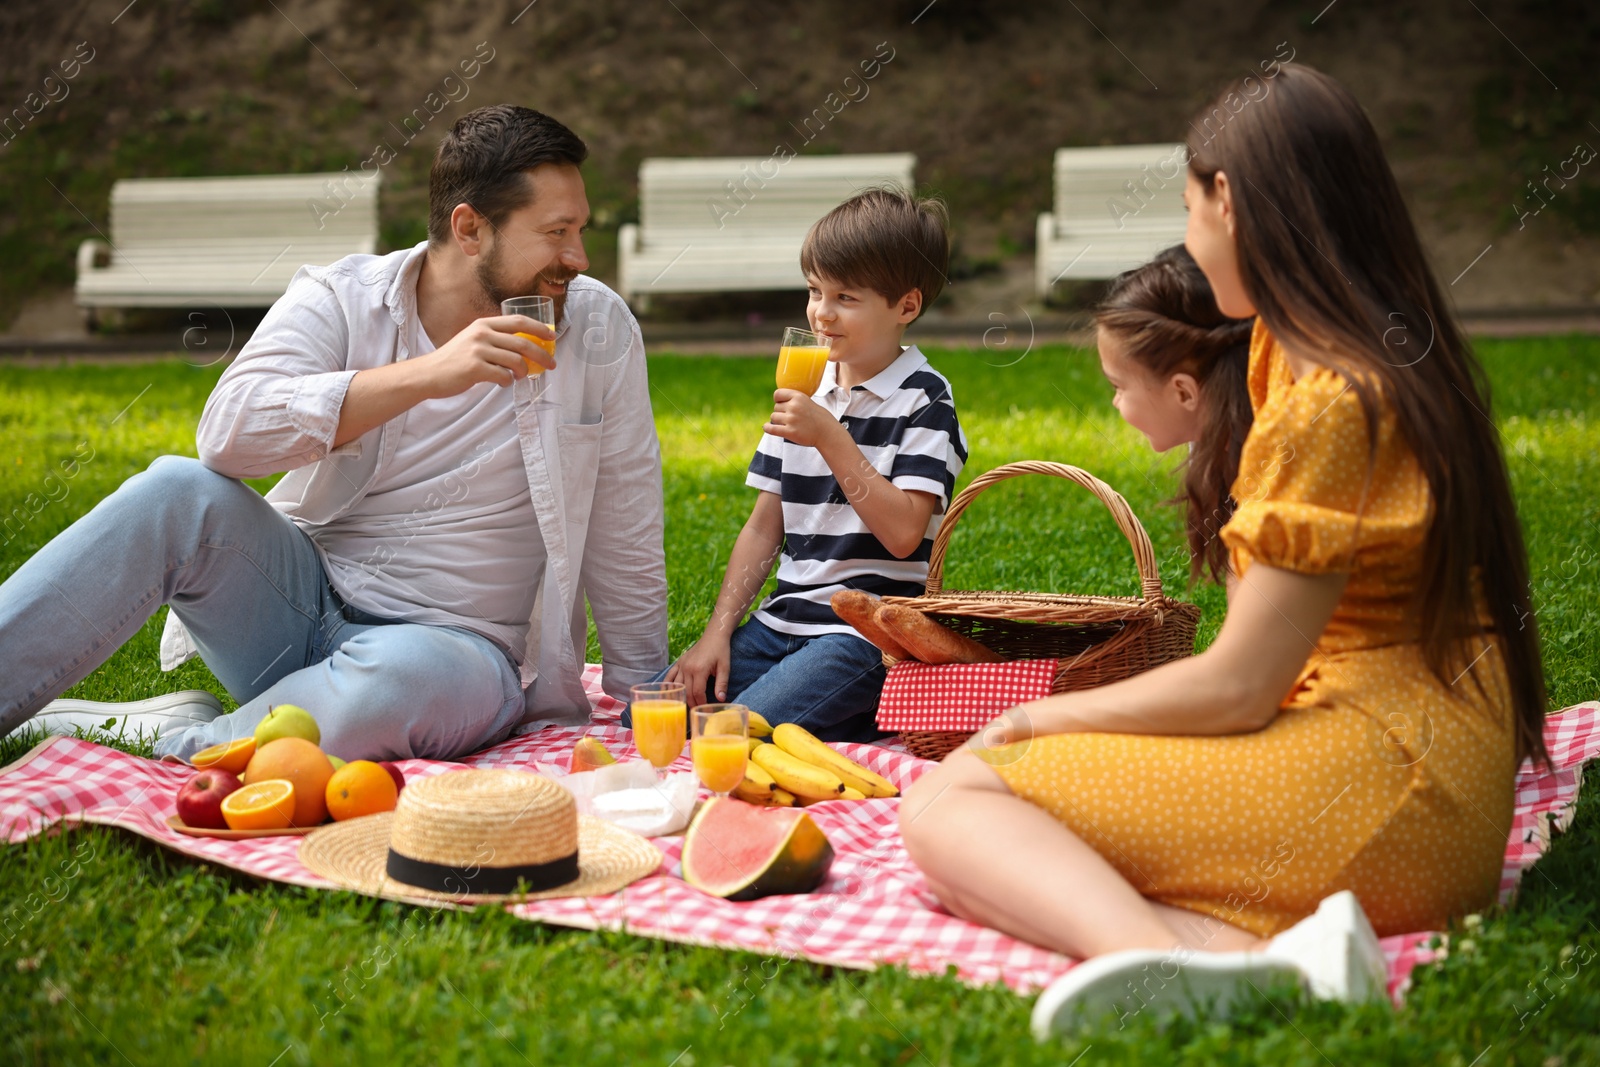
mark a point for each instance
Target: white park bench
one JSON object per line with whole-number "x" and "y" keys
{"x": 232, "y": 242}
{"x": 737, "y": 222}
{"x": 1115, "y": 207}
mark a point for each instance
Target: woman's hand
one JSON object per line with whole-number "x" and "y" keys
{"x": 1023, "y": 722}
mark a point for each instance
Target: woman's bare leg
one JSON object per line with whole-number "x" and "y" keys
{"x": 1206, "y": 933}
{"x": 995, "y": 859}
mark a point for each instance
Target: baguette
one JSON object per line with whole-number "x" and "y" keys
{"x": 860, "y": 610}
{"x": 928, "y": 641}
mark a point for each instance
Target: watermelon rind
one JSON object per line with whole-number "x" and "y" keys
{"x": 798, "y": 862}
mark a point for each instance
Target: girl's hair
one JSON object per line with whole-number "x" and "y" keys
{"x": 1329, "y": 257}
{"x": 1164, "y": 315}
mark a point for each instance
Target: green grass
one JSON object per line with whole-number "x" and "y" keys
{"x": 113, "y": 950}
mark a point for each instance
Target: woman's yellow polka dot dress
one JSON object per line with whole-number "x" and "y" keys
{"x": 1376, "y": 776}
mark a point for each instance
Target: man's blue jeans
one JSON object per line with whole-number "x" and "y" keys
{"x": 829, "y": 684}
{"x": 249, "y": 586}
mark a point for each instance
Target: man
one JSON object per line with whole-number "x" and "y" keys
{"x": 455, "y": 496}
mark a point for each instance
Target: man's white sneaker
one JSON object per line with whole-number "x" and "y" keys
{"x": 157, "y": 715}
{"x": 1333, "y": 953}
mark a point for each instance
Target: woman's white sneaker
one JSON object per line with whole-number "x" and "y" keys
{"x": 157, "y": 715}
{"x": 1120, "y": 986}
{"x": 1333, "y": 954}
{"x": 1337, "y": 950}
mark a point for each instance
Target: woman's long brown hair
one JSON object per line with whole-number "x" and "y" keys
{"x": 1166, "y": 319}
{"x": 1330, "y": 259}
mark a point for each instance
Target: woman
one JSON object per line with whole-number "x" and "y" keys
{"x": 1353, "y": 732}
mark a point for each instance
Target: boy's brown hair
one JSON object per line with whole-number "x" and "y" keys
{"x": 885, "y": 240}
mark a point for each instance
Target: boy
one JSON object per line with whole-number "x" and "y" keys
{"x": 854, "y": 480}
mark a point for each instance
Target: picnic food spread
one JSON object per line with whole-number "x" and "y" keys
{"x": 741, "y": 847}
{"x": 279, "y": 779}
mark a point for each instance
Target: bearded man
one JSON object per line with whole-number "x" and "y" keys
{"x": 455, "y": 496}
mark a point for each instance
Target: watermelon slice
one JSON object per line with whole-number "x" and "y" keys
{"x": 739, "y": 851}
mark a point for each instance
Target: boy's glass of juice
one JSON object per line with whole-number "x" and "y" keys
{"x": 718, "y": 745}
{"x": 659, "y": 728}
{"x": 801, "y": 360}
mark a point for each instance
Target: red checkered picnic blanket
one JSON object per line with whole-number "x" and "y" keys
{"x": 874, "y": 908}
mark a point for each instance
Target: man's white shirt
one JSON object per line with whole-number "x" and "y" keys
{"x": 452, "y": 515}
{"x": 589, "y": 452}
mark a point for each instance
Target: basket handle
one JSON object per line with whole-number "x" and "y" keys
{"x": 1144, "y": 556}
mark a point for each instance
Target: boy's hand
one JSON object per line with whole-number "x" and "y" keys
{"x": 705, "y": 661}
{"x": 796, "y": 417}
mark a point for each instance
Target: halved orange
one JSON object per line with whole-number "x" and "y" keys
{"x": 231, "y": 756}
{"x": 267, "y": 805}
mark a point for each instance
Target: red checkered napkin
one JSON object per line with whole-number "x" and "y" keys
{"x": 959, "y": 696}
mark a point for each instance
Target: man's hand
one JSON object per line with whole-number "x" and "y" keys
{"x": 796, "y": 417}
{"x": 706, "y": 660}
{"x": 489, "y": 350}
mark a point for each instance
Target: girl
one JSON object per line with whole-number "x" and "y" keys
{"x": 1165, "y": 345}
{"x": 1346, "y": 747}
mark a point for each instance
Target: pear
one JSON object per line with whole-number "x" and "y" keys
{"x": 589, "y": 755}
{"x": 287, "y": 720}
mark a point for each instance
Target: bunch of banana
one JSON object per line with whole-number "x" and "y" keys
{"x": 805, "y": 770}
{"x": 802, "y": 744}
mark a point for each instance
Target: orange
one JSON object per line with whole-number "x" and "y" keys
{"x": 267, "y": 805}
{"x": 231, "y": 756}
{"x": 302, "y": 763}
{"x": 360, "y": 787}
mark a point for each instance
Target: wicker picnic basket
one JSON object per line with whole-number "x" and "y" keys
{"x": 1098, "y": 639}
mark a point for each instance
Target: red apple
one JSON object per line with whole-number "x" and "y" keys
{"x": 200, "y": 799}
{"x": 394, "y": 772}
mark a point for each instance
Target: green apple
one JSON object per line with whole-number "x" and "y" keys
{"x": 287, "y": 720}
{"x": 336, "y": 761}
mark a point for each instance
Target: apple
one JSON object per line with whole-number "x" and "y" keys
{"x": 336, "y": 761}
{"x": 200, "y": 799}
{"x": 394, "y": 772}
{"x": 287, "y": 720}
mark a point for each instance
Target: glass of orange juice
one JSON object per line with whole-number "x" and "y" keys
{"x": 718, "y": 744}
{"x": 659, "y": 728}
{"x": 540, "y": 309}
{"x": 801, "y": 360}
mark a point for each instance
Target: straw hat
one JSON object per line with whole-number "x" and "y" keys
{"x": 470, "y": 836}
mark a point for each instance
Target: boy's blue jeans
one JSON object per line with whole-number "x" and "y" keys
{"x": 828, "y": 684}
{"x": 250, "y": 587}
